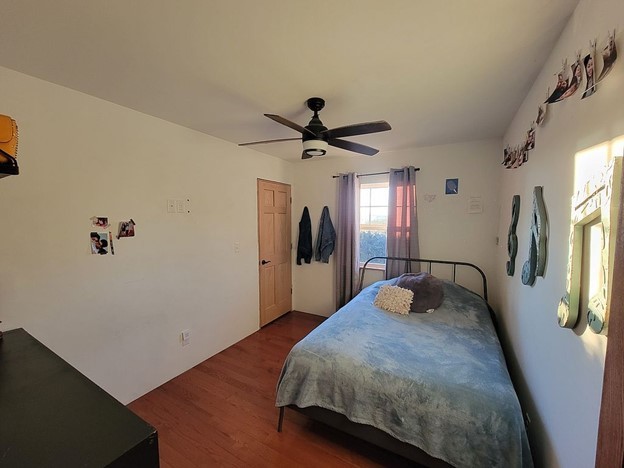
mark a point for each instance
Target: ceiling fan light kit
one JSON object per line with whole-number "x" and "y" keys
{"x": 316, "y": 137}
{"x": 314, "y": 148}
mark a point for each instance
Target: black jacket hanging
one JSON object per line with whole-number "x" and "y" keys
{"x": 304, "y": 245}
{"x": 326, "y": 238}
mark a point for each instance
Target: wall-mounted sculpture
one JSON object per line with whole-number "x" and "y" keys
{"x": 594, "y": 204}
{"x": 512, "y": 238}
{"x": 536, "y": 264}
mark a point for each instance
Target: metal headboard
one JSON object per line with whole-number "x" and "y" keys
{"x": 429, "y": 263}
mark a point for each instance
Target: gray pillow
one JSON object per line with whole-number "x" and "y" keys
{"x": 428, "y": 290}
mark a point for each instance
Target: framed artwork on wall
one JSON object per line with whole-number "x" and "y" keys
{"x": 451, "y": 187}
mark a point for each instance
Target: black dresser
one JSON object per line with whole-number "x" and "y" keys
{"x": 53, "y": 416}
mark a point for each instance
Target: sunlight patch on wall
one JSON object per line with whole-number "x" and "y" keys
{"x": 588, "y": 162}
{"x": 617, "y": 147}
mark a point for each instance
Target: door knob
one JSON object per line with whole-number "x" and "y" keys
{"x": 264, "y": 262}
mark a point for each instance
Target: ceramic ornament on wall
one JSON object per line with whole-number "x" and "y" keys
{"x": 536, "y": 263}
{"x": 512, "y": 238}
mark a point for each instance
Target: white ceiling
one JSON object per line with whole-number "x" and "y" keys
{"x": 438, "y": 71}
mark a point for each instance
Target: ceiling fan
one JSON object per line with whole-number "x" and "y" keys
{"x": 316, "y": 137}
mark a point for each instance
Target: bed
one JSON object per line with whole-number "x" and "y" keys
{"x": 431, "y": 387}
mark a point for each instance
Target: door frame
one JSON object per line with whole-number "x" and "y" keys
{"x": 610, "y": 444}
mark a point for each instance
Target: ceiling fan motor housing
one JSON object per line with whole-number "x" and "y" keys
{"x": 316, "y": 127}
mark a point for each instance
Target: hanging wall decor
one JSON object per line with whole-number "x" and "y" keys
{"x": 451, "y": 187}
{"x": 126, "y": 229}
{"x": 569, "y": 81}
{"x": 562, "y": 84}
{"x": 99, "y": 221}
{"x": 609, "y": 55}
{"x": 536, "y": 264}
{"x": 589, "y": 64}
{"x": 512, "y": 238}
{"x": 577, "y": 77}
{"x": 541, "y": 114}
{"x": 595, "y": 204}
{"x": 530, "y": 139}
{"x": 99, "y": 243}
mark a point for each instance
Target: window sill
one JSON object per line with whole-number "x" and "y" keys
{"x": 374, "y": 266}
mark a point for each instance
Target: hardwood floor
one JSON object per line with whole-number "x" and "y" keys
{"x": 222, "y": 412}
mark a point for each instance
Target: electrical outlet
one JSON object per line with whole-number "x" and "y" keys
{"x": 236, "y": 247}
{"x": 179, "y": 206}
{"x": 185, "y": 337}
{"x": 171, "y": 206}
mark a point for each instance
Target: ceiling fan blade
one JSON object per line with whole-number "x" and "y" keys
{"x": 305, "y": 155}
{"x": 352, "y": 146}
{"x": 357, "y": 129}
{"x": 268, "y": 141}
{"x": 289, "y": 124}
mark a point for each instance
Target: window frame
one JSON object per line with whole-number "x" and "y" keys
{"x": 385, "y": 183}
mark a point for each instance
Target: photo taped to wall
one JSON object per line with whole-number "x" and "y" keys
{"x": 99, "y": 243}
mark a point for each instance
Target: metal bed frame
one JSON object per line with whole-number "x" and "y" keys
{"x": 369, "y": 433}
{"x": 429, "y": 263}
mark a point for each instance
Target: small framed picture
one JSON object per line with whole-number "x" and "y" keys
{"x": 451, "y": 187}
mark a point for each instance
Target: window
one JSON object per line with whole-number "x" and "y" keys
{"x": 373, "y": 221}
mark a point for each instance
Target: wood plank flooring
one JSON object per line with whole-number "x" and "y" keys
{"x": 222, "y": 412}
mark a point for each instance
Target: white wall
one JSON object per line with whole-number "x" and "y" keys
{"x": 446, "y": 230}
{"x": 557, "y": 371}
{"x": 117, "y": 318}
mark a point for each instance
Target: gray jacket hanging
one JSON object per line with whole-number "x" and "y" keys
{"x": 326, "y": 238}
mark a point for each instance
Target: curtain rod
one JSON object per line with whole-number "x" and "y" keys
{"x": 373, "y": 173}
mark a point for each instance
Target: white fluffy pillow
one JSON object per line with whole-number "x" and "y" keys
{"x": 394, "y": 299}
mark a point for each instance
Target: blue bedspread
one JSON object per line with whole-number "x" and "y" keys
{"x": 437, "y": 381}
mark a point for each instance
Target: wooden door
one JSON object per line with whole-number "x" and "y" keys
{"x": 274, "y": 243}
